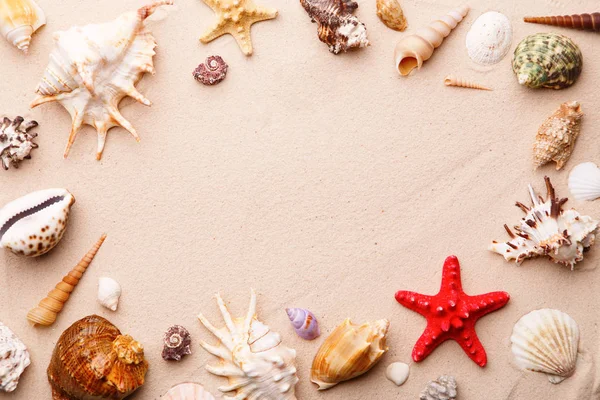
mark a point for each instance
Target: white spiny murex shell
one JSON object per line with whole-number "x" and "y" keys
{"x": 256, "y": 363}
{"x": 489, "y": 38}
{"x": 584, "y": 181}
{"x": 548, "y": 230}
{"x": 14, "y": 358}
{"x": 109, "y": 292}
{"x": 92, "y": 68}
{"x": 33, "y": 224}
{"x": 546, "y": 341}
{"x": 19, "y": 19}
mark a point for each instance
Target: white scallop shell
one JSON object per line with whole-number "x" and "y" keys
{"x": 188, "y": 391}
{"x": 33, "y": 224}
{"x": 584, "y": 181}
{"x": 489, "y": 38}
{"x": 397, "y": 372}
{"x": 14, "y": 358}
{"x": 546, "y": 341}
{"x": 109, "y": 292}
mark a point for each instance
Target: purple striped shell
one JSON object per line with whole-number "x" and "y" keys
{"x": 304, "y": 322}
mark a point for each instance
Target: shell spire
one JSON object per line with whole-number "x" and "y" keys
{"x": 452, "y": 80}
{"x": 586, "y": 22}
{"x": 19, "y": 19}
{"x": 47, "y": 310}
{"x": 412, "y": 51}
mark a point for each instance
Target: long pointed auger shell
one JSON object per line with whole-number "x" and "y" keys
{"x": 19, "y": 19}
{"x": 452, "y": 80}
{"x": 415, "y": 49}
{"x": 92, "y": 68}
{"x": 586, "y": 22}
{"x": 47, "y": 310}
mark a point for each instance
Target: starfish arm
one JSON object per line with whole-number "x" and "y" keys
{"x": 471, "y": 345}
{"x": 483, "y": 304}
{"x": 244, "y": 40}
{"x": 431, "y": 338}
{"x": 451, "y": 274}
{"x": 263, "y": 14}
{"x": 217, "y": 30}
{"x": 420, "y": 303}
{"x": 212, "y": 4}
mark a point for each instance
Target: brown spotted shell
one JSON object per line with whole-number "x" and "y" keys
{"x": 93, "y": 360}
{"x": 177, "y": 343}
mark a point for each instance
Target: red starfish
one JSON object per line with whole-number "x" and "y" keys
{"x": 451, "y": 314}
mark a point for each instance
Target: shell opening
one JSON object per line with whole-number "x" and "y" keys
{"x": 407, "y": 64}
{"x": 24, "y": 214}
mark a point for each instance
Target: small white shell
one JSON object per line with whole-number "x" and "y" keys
{"x": 14, "y": 358}
{"x": 584, "y": 181}
{"x": 19, "y": 19}
{"x": 397, "y": 372}
{"x": 109, "y": 292}
{"x": 489, "y": 38}
{"x": 546, "y": 341}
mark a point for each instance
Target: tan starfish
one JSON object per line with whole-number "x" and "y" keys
{"x": 236, "y": 17}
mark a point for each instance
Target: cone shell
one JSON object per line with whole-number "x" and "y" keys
{"x": 584, "y": 181}
{"x": 547, "y": 60}
{"x": 588, "y": 22}
{"x": 546, "y": 341}
{"x": 489, "y": 38}
{"x": 415, "y": 49}
{"x": 109, "y": 292}
{"x": 350, "y": 351}
{"x": 16, "y": 142}
{"x": 93, "y": 360}
{"x": 556, "y": 137}
{"x": 304, "y": 322}
{"x": 19, "y": 19}
{"x": 391, "y": 14}
{"x": 188, "y": 391}
{"x": 47, "y": 310}
{"x": 452, "y": 80}
{"x": 14, "y": 358}
{"x": 33, "y": 224}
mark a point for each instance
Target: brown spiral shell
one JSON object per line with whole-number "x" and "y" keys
{"x": 586, "y": 22}
{"x": 93, "y": 360}
{"x": 177, "y": 343}
{"x": 212, "y": 71}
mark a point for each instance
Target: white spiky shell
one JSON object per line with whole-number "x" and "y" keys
{"x": 92, "y": 68}
{"x": 584, "y": 181}
{"x": 109, "y": 292}
{"x": 14, "y": 358}
{"x": 33, "y": 224}
{"x": 489, "y": 38}
{"x": 546, "y": 341}
{"x": 256, "y": 363}
{"x": 19, "y": 19}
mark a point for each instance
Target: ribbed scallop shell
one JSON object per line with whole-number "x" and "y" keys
{"x": 547, "y": 60}
{"x": 546, "y": 341}
{"x": 304, "y": 322}
{"x": 489, "y": 38}
{"x": 584, "y": 181}
{"x": 93, "y": 360}
{"x": 14, "y": 358}
{"x": 188, "y": 391}
{"x": 33, "y": 224}
{"x": 19, "y": 19}
{"x": 349, "y": 351}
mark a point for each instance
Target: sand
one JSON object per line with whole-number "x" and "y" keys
{"x": 327, "y": 182}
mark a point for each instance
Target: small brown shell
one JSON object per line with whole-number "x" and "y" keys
{"x": 391, "y": 14}
{"x": 452, "y": 80}
{"x": 177, "y": 343}
{"x": 212, "y": 71}
{"x": 16, "y": 142}
{"x": 586, "y": 22}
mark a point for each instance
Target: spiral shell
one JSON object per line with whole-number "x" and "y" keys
{"x": 587, "y": 22}
{"x": 452, "y": 80}
{"x": 304, "y": 322}
{"x": 489, "y": 38}
{"x": 16, "y": 142}
{"x": 547, "y": 60}
{"x": 584, "y": 181}
{"x": 391, "y": 14}
{"x": 188, "y": 391}
{"x": 177, "y": 343}
{"x": 109, "y": 292}
{"x": 415, "y": 49}
{"x": 212, "y": 71}
{"x": 19, "y": 19}
{"x": 14, "y": 358}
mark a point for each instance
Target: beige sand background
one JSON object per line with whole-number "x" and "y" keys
{"x": 327, "y": 182}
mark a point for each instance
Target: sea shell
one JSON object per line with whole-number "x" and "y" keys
{"x": 548, "y": 230}
{"x": 452, "y": 80}
{"x": 547, "y": 60}
{"x": 188, "y": 391}
{"x": 304, "y": 322}
{"x": 338, "y": 28}
{"x": 47, "y": 310}
{"x": 546, "y": 341}
{"x": 349, "y": 351}
{"x": 16, "y": 142}
{"x": 489, "y": 38}
{"x": 212, "y": 71}
{"x": 93, "y": 360}
{"x": 109, "y": 292}
{"x": 14, "y": 358}
{"x": 556, "y": 137}
{"x": 252, "y": 357}
{"x": 19, "y": 19}
{"x": 588, "y": 22}
{"x": 397, "y": 372}
{"x": 391, "y": 14}
{"x": 413, "y": 50}
{"x": 177, "y": 343}
{"x": 444, "y": 388}
{"x": 33, "y": 224}
{"x": 92, "y": 68}
{"x": 584, "y": 181}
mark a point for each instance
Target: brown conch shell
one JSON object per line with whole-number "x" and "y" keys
{"x": 47, "y": 310}
{"x": 93, "y": 360}
{"x": 556, "y": 137}
{"x": 586, "y": 22}
{"x": 452, "y": 80}
{"x": 391, "y": 14}
{"x": 338, "y": 27}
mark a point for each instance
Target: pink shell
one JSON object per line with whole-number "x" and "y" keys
{"x": 188, "y": 391}
{"x": 212, "y": 71}
{"x": 304, "y": 322}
